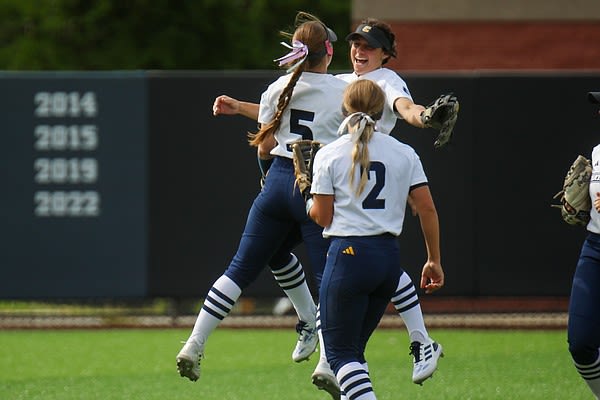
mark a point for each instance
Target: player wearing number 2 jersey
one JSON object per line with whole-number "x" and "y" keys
{"x": 372, "y": 45}
{"x": 360, "y": 187}
{"x": 305, "y": 103}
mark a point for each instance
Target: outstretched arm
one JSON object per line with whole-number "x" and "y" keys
{"x": 410, "y": 111}
{"x": 225, "y": 105}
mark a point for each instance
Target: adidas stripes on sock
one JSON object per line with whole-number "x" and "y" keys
{"x": 355, "y": 382}
{"x": 591, "y": 375}
{"x": 218, "y": 303}
{"x": 406, "y": 302}
{"x": 292, "y": 280}
{"x": 343, "y": 395}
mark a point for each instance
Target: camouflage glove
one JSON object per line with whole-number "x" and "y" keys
{"x": 575, "y": 197}
{"x": 441, "y": 115}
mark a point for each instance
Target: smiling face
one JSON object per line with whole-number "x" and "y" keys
{"x": 364, "y": 57}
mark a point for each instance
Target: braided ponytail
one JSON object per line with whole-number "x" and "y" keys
{"x": 312, "y": 33}
{"x": 255, "y": 139}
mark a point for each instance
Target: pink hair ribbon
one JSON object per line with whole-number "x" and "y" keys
{"x": 299, "y": 50}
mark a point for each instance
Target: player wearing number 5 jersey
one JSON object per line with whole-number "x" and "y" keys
{"x": 313, "y": 113}
{"x": 360, "y": 187}
{"x": 305, "y": 103}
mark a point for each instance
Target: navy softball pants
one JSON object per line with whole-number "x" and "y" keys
{"x": 584, "y": 305}
{"x": 360, "y": 278}
{"x": 270, "y": 234}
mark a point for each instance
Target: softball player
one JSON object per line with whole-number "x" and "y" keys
{"x": 372, "y": 45}
{"x": 303, "y": 104}
{"x": 584, "y": 319}
{"x": 360, "y": 187}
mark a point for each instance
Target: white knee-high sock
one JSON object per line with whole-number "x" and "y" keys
{"x": 591, "y": 375}
{"x": 355, "y": 382}
{"x": 343, "y": 395}
{"x": 406, "y": 302}
{"x": 292, "y": 280}
{"x": 218, "y": 303}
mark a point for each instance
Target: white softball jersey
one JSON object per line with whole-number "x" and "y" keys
{"x": 393, "y": 86}
{"x": 594, "y": 224}
{"x": 395, "y": 168}
{"x": 314, "y": 112}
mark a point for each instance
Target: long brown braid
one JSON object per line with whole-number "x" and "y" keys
{"x": 313, "y": 34}
{"x": 363, "y": 96}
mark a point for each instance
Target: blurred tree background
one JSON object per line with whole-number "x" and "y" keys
{"x": 157, "y": 34}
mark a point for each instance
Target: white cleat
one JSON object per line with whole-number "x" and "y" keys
{"x": 188, "y": 360}
{"x": 426, "y": 358}
{"x": 307, "y": 341}
{"x": 324, "y": 379}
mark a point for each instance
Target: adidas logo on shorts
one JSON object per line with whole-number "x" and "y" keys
{"x": 348, "y": 250}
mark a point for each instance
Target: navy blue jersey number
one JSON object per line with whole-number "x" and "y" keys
{"x": 296, "y": 116}
{"x": 371, "y": 201}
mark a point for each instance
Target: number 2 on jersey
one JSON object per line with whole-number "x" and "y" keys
{"x": 371, "y": 201}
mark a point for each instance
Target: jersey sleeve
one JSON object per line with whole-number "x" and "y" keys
{"x": 322, "y": 182}
{"x": 266, "y": 110}
{"x": 418, "y": 177}
{"x": 395, "y": 88}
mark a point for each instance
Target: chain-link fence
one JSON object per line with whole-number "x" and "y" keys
{"x": 439, "y": 312}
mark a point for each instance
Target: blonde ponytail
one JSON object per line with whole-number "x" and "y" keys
{"x": 364, "y": 101}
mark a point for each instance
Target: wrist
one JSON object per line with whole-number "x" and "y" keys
{"x": 423, "y": 119}
{"x": 240, "y": 108}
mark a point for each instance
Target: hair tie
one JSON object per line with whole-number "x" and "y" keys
{"x": 358, "y": 119}
{"x": 299, "y": 50}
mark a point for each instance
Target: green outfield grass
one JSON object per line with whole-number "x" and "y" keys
{"x": 256, "y": 364}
